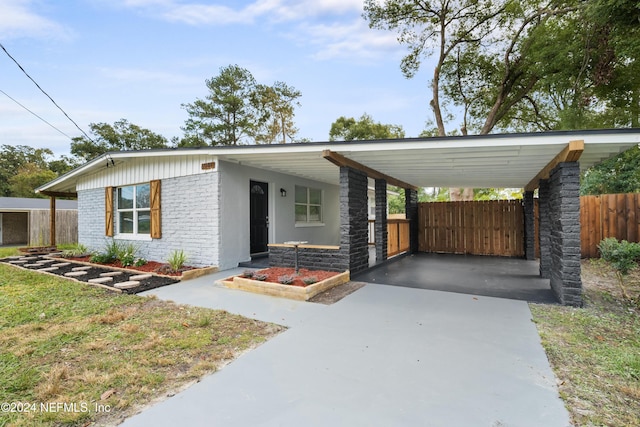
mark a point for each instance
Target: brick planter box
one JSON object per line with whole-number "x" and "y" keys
{"x": 285, "y": 291}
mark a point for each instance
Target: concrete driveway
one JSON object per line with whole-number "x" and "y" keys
{"x": 383, "y": 356}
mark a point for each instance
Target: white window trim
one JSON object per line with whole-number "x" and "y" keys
{"x": 304, "y": 224}
{"x": 131, "y": 236}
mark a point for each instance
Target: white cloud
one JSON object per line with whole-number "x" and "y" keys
{"x": 353, "y": 40}
{"x": 196, "y": 13}
{"x": 18, "y": 20}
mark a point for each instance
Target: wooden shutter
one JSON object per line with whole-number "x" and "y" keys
{"x": 108, "y": 219}
{"x": 156, "y": 229}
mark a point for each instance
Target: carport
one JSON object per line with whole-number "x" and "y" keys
{"x": 492, "y": 276}
{"x": 549, "y": 162}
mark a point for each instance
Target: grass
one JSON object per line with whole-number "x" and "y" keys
{"x": 595, "y": 350}
{"x": 63, "y": 342}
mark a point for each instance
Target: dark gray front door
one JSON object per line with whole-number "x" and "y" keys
{"x": 259, "y": 216}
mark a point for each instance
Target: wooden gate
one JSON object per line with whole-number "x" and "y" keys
{"x": 493, "y": 227}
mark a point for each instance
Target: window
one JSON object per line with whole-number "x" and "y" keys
{"x": 308, "y": 205}
{"x": 134, "y": 209}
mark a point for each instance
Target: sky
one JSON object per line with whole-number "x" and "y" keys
{"x": 140, "y": 60}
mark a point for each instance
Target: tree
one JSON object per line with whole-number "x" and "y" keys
{"x": 29, "y": 177}
{"x": 226, "y": 116}
{"x": 119, "y": 137}
{"x": 619, "y": 174}
{"x": 13, "y": 158}
{"x": 349, "y": 129}
{"x": 238, "y": 110}
{"x": 428, "y": 26}
{"x": 275, "y": 105}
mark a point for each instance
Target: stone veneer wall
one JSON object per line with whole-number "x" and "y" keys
{"x": 529, "y": 226}
{"x": 411, "y": 213}
{"x": 189, "y": 215}
{"x": 309, "y": 258}
{"x": 544, "y": 229}
{"x": 564, "y": 210}
{"x": 381, "y": 231}
{"x": 354, "y": 219}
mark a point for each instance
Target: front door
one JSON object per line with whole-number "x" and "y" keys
{"x": 259, "y": 216}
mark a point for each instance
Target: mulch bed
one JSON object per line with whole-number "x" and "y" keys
{"x": 94, "y": 272}
{"x": 149, "y": 267}
{"x": 275, "y": 273}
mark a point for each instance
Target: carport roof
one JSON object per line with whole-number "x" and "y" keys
{"x": 502, "y": 160}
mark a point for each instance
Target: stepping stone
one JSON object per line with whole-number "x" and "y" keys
{"x": 48, "y": 269}
{"x": 127, "y": 285}
{"x": 46, "y": 261}
{"x": 29, "y": 258}
{"x": 101, "y": 280}
{"x": 32, "y": 265}
{"x": 111, "y": 274}
{"x": 60, "y": 264}
{"x": 141, "y": 277}
{"x": 75, "y": 273}
{"x": 83, "y": 268}
{"x": 19, "y": 261}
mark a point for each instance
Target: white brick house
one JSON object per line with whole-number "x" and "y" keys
{"x": 223, "y": 204}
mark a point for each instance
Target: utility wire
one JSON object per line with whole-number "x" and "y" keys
{"x": 7, "y": 95}
{"x": 46, "y": 94}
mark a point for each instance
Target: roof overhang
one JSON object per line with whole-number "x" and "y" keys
{"x": 482, "y": 161}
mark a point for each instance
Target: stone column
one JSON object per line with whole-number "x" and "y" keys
{"x": 381, "y": 220}
{"x": 544, "y": 229}
{"x": 354, "y": 220}
{"x": 564, "y": 209}
{"x": 411, "y": 212}
{"x": 529, "y": 227}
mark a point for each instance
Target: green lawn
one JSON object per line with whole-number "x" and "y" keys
{"x": 63, "y": 342}
{"x": 595, "y": 351}
{"x": 104, "y": 355}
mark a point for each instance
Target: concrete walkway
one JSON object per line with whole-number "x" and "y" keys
{"x": 383, "y": 356}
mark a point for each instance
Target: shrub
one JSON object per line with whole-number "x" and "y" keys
{"x": 126, "y": 253}
{"x": 260, "y": 276}
{"x": 112, "y": 249}
{"x": 139, "y": 262}
{"x": 75, "y": 251}
{"x": 622, "y": 256}
{"x": 286, "y": 280}
{"x": 310, "y": 280}
{"x": 176, "y": 260}
{"x": 248, "y": 274}
{"x": 102, "y": 258}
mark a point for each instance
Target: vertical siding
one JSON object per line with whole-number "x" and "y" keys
{"x": 143, "y": 169}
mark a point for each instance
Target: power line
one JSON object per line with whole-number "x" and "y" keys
{"x": 7, "y": 95}
{"x": 46, "y": 94}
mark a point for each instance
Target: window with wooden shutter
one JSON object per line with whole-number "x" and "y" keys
{"x": 156, "y": 229}
{"x": 108, "y": 220}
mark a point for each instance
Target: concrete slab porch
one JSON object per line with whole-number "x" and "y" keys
{"x": 501, "y": 277}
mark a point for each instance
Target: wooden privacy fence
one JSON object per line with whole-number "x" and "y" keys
{"x": 66, "y": 227}
{"x": 493, "y": 227}
{"x": 608, "y": 215}
{"x": 397, "y": 235}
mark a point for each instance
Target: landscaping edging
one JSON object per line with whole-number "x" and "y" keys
{"x": 186, "y": 275}
{"x": 284, "y": 291}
